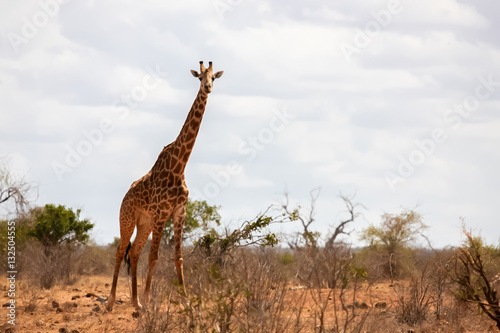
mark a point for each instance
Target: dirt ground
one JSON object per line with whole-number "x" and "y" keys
{"x": 80, "y": 308}
{"x": 75, "y": 307}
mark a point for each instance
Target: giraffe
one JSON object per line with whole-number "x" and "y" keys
{"x": 160, "y": 194}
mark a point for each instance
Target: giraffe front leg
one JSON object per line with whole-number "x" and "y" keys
{"x": 153, "y": 258}
{"x": 179, "y": 217}
{"x": 143, "y": 231}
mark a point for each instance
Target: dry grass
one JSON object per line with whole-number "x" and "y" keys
{"x": 253, "y": 290}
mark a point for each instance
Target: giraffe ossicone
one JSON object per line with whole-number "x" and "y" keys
{"x": 160, "y": 194}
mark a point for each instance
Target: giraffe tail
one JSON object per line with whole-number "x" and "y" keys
{"x": 127, "y": 257}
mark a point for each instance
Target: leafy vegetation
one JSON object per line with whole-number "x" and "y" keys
{"x": 476, "y": 272}
{"x": 396, "y": 231}
{"x": 389, "y": 244}
{"x": 54, "y": 225}
{"x": 253, "y": 232}
{"x": 199, "y": 215}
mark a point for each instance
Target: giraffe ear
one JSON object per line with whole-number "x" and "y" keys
{"x": 218, "y": 74}
{"x": 195, "y": 73}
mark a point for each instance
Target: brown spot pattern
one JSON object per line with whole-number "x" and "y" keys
{"x": 157, "y": 196}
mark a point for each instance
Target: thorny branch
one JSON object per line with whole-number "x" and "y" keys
{"x": 13, "y": 190}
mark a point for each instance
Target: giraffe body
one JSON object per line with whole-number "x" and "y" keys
{"x": 160, "y": 194}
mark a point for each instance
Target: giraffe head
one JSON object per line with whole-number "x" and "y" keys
{"x": 206, "y": 77}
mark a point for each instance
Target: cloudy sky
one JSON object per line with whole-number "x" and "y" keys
{"x": 393, "y": 101}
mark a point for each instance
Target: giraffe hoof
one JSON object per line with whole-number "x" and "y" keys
{"x": 109, "y": 305}
{"x": 138, "y": 306}
{"x": 182, "y": 291}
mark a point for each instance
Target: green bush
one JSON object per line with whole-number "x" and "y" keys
{"x": 58, "y": 224}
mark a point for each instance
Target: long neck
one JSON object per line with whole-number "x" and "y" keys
{"x": 187, "y": 137}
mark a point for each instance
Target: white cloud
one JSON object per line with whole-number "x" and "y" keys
{"x": 351, "y": 121}
{"x": 325, "y": 12}
{"x": 445, "y": 13}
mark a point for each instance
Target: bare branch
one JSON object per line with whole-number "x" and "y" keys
{"x": 475, "y": 283}
{"x": 340, "y": 229}
{"x": 309, "y": 237}
{"x": 15, "y": 191}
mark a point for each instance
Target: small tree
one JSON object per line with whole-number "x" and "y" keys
{"x": 307, "y": 237}
{"x": 396, "y": 230}
{"x": 394, "y": 235}
{"x": 199, "y": 214}
{"x": 51, "y": 259}
{"x": 340, "y": 228}
{"x": 55, "y": 225}
{"x": 474, "y": 273}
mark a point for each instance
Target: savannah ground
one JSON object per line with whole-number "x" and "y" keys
{"x": 252, "y": 290}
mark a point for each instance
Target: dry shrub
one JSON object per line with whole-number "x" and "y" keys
{"x": 375, "y": 260}
{"x": 321, "y": 267}
{"x": 382, "y": 266}
{"x": 333, "y": 281}
{"x": 47, "y": 266}
{"x": 250, "y": 291}
{"x": 264, "y": 290}
{"x": 475, "y": 272}
{"x": 245, "y": 292}
{"x": 30, "y": 295}
{"x": 96, "y": 260}
{"x": 159, "y": 316}
{"x": 414, "y": 301}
